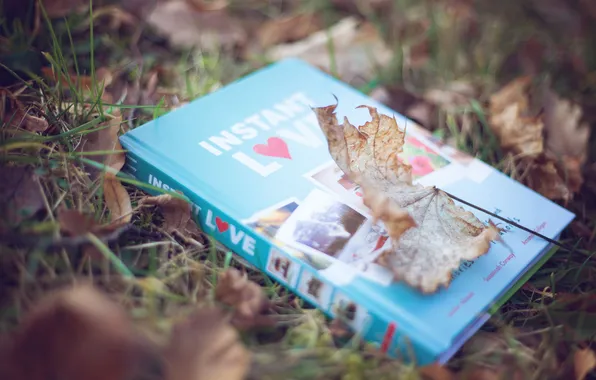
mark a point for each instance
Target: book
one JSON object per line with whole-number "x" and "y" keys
{"x": 254, "y": 162}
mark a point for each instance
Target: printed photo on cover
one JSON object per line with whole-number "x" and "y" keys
{"x": 282, "y": 267}
{"x": 314, "y": 289}
{"x": 321, "y": 224}
{"x": 268, "y": 221}
{"x": 349, "y": 312}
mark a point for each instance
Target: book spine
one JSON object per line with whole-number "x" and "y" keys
{"x": 359, "y": 314}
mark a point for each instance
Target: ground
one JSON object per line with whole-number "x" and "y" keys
{"x": 74, "y": 77}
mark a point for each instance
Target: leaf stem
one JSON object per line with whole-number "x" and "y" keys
{"x": 552, "y": 241}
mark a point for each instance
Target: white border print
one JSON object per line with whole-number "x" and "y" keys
{"x": 314, "y": 289}
{"x": 269, "y": 220}
{"x": 350, "y": 312}
{"x": 321, "y": 225}
{"x": 282, "y": 267}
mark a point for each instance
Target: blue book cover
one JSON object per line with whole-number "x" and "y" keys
{"x": 256, "y": 165}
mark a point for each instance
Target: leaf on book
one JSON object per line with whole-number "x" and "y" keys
{"x": 20, "y": 194}
{"x": 431, "y": 236}
{"x": 77, "y": 333}
{"x": 584, "y": 361}
{"x": 176, "y": 212}
{"x": 205, "y": 346}
{"x": 246, "y": 297}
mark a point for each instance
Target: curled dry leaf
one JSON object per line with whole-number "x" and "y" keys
{"x": 205, "y": 346}
{"x": 288, "y": 29}
{"x": 14, "y": 114}
{"x": 76, "y": 333}
{"x": 430, "y": 234}
{"x": 584, "y": 361}
{"x": 208, "y": 6}
{"x": 358, "y": 50}
{"x": 436, "y": 371}
{"x": 61, "y": 8}
{"x": 187, "y": 28}
{"x": 246, "y": 297}
{"x": 117, "y": 199}
{"x": 517, "y": 131}
{"x": 552, "y": 146}
{"x": 176, "y": 211}
{"x": 20, "y": 194}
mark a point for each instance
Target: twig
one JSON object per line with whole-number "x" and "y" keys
{"x": 552, "y": 241}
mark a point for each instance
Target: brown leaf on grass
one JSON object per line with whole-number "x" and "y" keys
{"x": 14, "y": 113}
{"x": 433, "y": 235}
{"x": 103, "y": 78}
{"x": 485, "y": 373}
{"x": 550, "y": 147}
{"x": 358, "y": 50}
{"x": 76, "y": 333}
{"x": 205, "y": 346}
{"x": 246, "y": 297}
{"x": 208, "y": 6}
{"x": 176, "y": 211}
{"x": 20, "y": 195}
{"x": 61, "y": 8}
{"x": 584, "y": 361}
{"x": 288, "y": 29}
{"x": 104, "y": 140}
{"x": 187, "y": 28}
{"x": 117, "y": 199}
{"x": 517, "y": 130}
{"x": 436, "y": 371}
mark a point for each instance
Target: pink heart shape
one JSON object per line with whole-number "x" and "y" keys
{"x": 275, "y": 147}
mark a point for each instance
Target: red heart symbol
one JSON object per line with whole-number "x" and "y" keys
{"x": 275, "y": 147}
{"x": 221, "y": 225}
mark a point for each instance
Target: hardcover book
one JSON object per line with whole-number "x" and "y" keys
{"x": 253, "y": 160}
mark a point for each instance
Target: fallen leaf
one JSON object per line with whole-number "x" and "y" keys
{"x": 246, "y": 297}
{"x": 436, "y": 371}
{"x": 435, "y": 235}
{"x": 358, "y": 50}
{"x": 117, "y": 199}
{"x": 205, "y": 346}
{"x": 544, "y": 177}
{"x": 485, "y": 373}
{"x": 186, "y": 28}
{"x": 584, "y": 361}
{"x": 20, "y": 195}
{"x": 566, "y": 136}
{"x": 14, "y": 114}
{"x": 288, "y": 29}
{"x": 509, "y": 117}
{"x": 61, "y": 8}
{"x": 176, "y": 211}
{"x": 363, "y": 7}
{"x": 76, "y": 333}
{"x": 208, "y": 6}
{"x": 104, "y": 140}
{"x": 103, "y": 78}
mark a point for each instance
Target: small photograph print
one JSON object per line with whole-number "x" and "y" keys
{"x": 315, "y": 290}
{"x": 269, "y": 221}
{"x": 423, "y": 159}
{"x": 331, "y": 178}
{"x": 365, "y": 245}
{"x": 349, "y": 312}
{"x": 282, "y": 267}
{"x": 321, "y": 224}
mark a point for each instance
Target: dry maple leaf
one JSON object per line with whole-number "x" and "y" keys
{"x": 287, "y": 29}
{"x": 205, "y": 346}
{"x": 584, "y": 361}
{"x": 185, "y": 27}
{"x": 176, "y": 211}
{"x": 20, "y": 194}
{"x": 430, "y": 234}
{"x": 246, "y": 297}
{"x": 76, "y": 333}
{"x": 517, "y": 130}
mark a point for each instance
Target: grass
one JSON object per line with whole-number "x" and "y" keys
{"x": 157, "y": 275}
